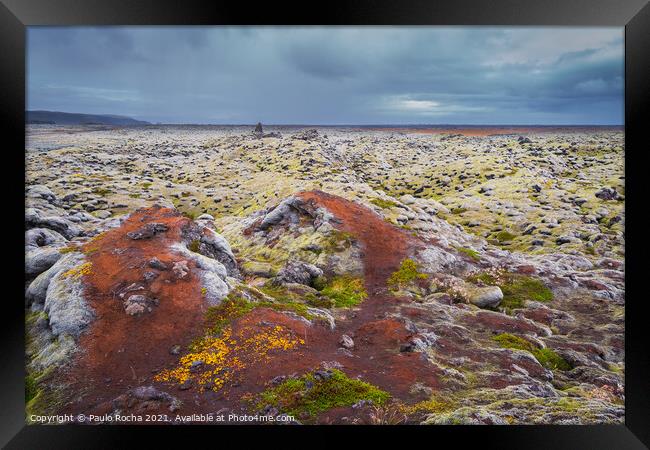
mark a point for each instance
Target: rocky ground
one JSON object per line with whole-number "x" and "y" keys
{"x": 331, "y": 275}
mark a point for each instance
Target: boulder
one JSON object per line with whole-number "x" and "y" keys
{"x": 607, "y": 193}
{"x": 36, "y": 219}
{"x": 40, "y": 237}
{"x": 37, "y": 290}
{"x": 40, "y": 259}
{"x": 259, "y": 269}
{"x": 42, "y": 192}
{"x": 346, "y": 342}
{"x": 65, "y": 305}
{"x": 147, "y": 231}
{"x": 286, "y": 209}
{"x": 215, "y": 288}
{"x": 298, "y": 272}
{"x": 214, "y": 245}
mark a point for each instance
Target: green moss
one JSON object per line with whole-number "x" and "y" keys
{"x": 218, "y": 317}
{"x": 433, "y": 405}
{"x": 194, "y": 245}
{"x": 319, "y": 301}
{"x": 469, "y": 252}
{"x": 44, "y": 400}
{"x": 407, "y": 273}
{"x": 319, "y": 283}
{"x": 345, "y": 291}
{"x": 482, "y": 277}
{"x": 516, "y": 288}
{"x": 307, "y": 396}
{"x": 236, "y": 305}
{"x": 546, "y": 356}
{"x": 190, "y": 214}
{"x": 385, "y": 204}
{"x": 615, "y": 368}
{"x": 339, "y": 240}
{"x": 504, "y": 236}
{"x": 284, "y": 301}
{"x": 520, "y": 288}
{"x": 41, "y": 397}
{"x": 134, "y": 195}
{"x": 101, "y": 191}
{"x": 31, "y": 388}
{"x": 146, "y": 185}
{"x": 551, "y": 360}
{"x": 458, "y": 210}
{"x": 507, "y": 340}
{"x": 279, "y": 293}
{"x": 68, "y": 249}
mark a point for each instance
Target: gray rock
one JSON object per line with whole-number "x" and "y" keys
{"x": 40, "y": 191}
{"x": 488, "y": 296}
{"x": 216, "y": 289}
{"x": 286, "y": 209}
{"x": 180, "y": 269}
{"x": 175, "y": 350}
{"x": 215, "y": 246}
{"x": 259, "y": 269}
{"x": 147, "y": 231}
{"x": 40, "y": 259}
{"x": 40, "y": 237}
{"x": 306, "y": 135}
{"x": 136, "y": 304}
{"x": 155, "y": 263}
{"x": 37, "y": 290}
{"x": 298, "y": 272}
{"x": 346, "y": 342}
{"x": 150, "y": 393}
{"x": 35, "y": 219}
{"x": 66, "y": 306}
{"x": 607, "y": 193}
{"x": 323, "y": 315}
{"x": 103, "y": 214}
{"x": 150, "y": 276}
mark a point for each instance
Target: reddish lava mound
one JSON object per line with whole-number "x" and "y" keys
{"x": 120, "y": 350}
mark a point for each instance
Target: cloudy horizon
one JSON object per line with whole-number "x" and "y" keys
{"x": 331, "y": 75}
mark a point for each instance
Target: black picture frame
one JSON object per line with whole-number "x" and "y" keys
{"x": 634, "y": 15}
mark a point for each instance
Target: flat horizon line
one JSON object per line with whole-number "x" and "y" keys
{"x": 388, "y": 125}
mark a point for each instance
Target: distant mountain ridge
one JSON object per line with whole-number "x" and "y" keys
{"x": 64, "y": 118}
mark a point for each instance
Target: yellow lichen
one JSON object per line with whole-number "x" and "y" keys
{"x": 79, "y": 271}
{"x": 223, "y": 356}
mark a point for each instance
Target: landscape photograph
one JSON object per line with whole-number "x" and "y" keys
{"x": 417, "y": 225}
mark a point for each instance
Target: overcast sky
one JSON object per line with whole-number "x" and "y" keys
{"x": 331, "y": 75}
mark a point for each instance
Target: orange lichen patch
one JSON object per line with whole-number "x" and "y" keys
{"x": 219, "y": 359}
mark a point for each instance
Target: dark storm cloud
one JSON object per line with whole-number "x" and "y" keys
{"x": 331, "y": 75}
